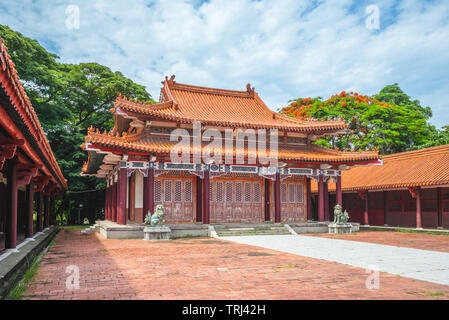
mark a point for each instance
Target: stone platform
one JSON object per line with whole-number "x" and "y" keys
{"x": 112, "y": 230}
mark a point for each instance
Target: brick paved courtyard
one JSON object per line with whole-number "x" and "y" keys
{"x": 205, "y": 268}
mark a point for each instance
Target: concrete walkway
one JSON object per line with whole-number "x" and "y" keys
{"x": 431, "y": 266}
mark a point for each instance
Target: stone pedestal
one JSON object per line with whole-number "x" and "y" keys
{"x": 156, "y": 233}
{"x": 340, "y": 228}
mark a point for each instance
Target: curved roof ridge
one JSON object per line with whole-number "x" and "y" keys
{"x": 418, "y": 153}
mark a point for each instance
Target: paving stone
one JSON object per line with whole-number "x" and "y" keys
{"x": 187, "y": 269}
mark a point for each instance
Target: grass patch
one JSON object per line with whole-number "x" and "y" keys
{"x": 19, "y": 289}
{"x": 438, "y": 233}
{"x": 287, "y": 266}
{"x": 433, "y": 294}
{"x": 75, "y": 227}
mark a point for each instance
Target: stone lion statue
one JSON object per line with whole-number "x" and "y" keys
{"x": 157, "y": 219}
{"x": 340, "y": 217}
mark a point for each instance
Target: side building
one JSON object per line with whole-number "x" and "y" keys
{"x": 29, "y": 174}
{"x": 134, "y": 158}
{"x": 410, "y": 189}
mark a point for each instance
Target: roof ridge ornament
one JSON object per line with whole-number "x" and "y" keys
{"x": 250, "y": 90}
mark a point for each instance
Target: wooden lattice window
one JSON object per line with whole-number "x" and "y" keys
{"x": 291, "y": 193}
{"x": 157, "y": 190}
{"x": 188, "y": 191}
{"x": 178, "y": 191}
{"x": 167, "y": 191}
{"x": 228, "y": 191}
{"x": 219, "y": 191}
{"x": 257, "y": 193}
{"x": 299, "y": 193}
{"x": 211, "y": 195}
{"x": 247, "y": 192}
{"x": 238, "y": 192}
{"x": 283, "y": 192}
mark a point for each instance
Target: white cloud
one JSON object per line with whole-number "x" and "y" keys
{"x": 285, "y": 49}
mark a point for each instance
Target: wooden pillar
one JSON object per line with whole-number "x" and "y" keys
{"x": 339, "y": 194}
{"x": 40, "y": 200}
{"x": 106, "y": 201}
{"x": 277, "y": 198}
{"x": 114, "y": 201}
{"x": 385, "y": 207}
{"x": 46, "y": 211}
{"x": 121, "y": 194}
{"x": 29, "y": 209}
{"x": 145, "y": 198}
{"x": 52, "y": 210}
{"x": 2, "y": 208}
{"x": 206, "y": 198}
{"x": 366, "y": 212}
{"x": 150, "y": 190}
{"x": 326, "y": 201}
{"x": 11, "y": 204}
{"x": 267, "y": 199}
{"x": 199, "y": 200}
{"x": 440, "y": 207}
{"x": 309, "y": 198}
{"x": 418, "y": 209}
{"x": 321, "y": 198}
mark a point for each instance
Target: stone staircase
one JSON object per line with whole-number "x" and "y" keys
{"x": 250, "y": 229}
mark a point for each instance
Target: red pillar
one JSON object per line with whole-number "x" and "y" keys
{"x": 39, "y": 211}
{"x": 366, "y": 212}
{"x": 121, "y": 194}
{"x": 206, "y": 198}
{"x": 309, "y": 199}
{"x": 277, "y": 198}
{"x": 145, "y": 198}
{"x": 45, "y": 211}
{"x": 30, "y": 209}
{"x": 199, "y": 200}
{"x": 418, "y": 209}
{"x": 150, "y": 191}
{"x": 440, "y": 207}
{"x": 2, "y": 208}
{"x": 267, "y": 199}
{"x": 114, "y": 202}
{"x": 106, "y": 201}
{"x": 326, "y": 201}
{"x": 11, "y": 204}
{"x": 321, "y": 198}
{"x": 385, "y": 207}
{"x": 339, "y": 194}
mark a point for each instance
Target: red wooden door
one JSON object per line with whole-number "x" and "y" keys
{"x": 176, "y": 195}
{"x": 236, "y": 200}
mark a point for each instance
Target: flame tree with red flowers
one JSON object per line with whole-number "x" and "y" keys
{"x": 374, "y": 124}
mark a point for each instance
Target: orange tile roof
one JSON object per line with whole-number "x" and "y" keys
{"x": 13, "y": 87}
{"x": 143, "y": 142}
{"x": 185, "y": 103}
{"x": 424, "y": 167}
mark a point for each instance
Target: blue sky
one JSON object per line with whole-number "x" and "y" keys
{"x": 286, "y": 49}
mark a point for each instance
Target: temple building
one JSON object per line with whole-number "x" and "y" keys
{"x": 135, "y": 159}
{"x": 30, "y": 177}
{"x": 410, "y": 189}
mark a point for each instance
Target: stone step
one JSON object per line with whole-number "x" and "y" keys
{"x": 246, "y": 233}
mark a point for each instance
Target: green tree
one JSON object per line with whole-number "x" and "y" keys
{"x": 68, "y": 98}
{"x": 393, "y": 94}
{"x": 373, "y": 124}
